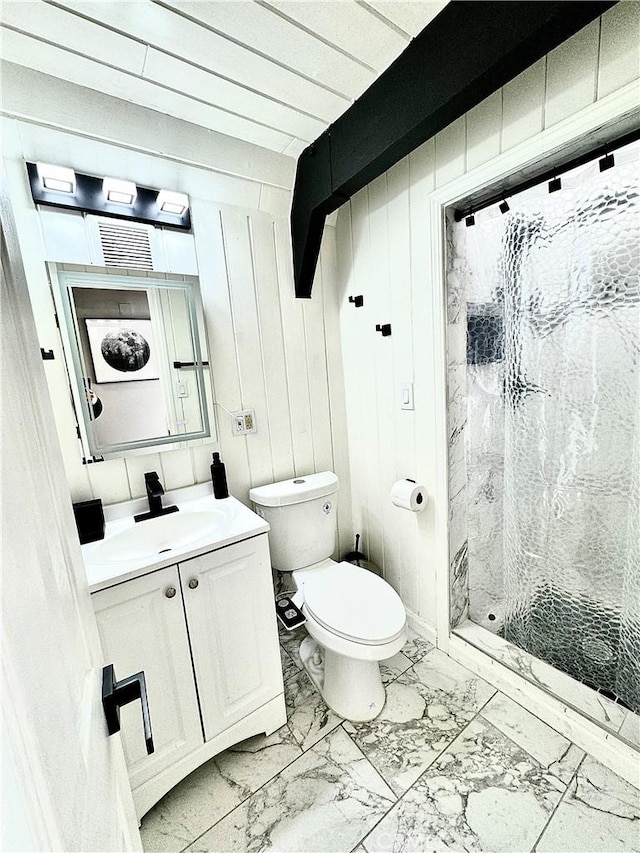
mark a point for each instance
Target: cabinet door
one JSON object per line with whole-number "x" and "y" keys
{"x": 229, "y": 602}
{"x": 142, "y": 627}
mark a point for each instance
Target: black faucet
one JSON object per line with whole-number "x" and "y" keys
{"x": 154, "y": 494}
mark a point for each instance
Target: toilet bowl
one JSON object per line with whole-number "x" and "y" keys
{"x": 354, "y": 618}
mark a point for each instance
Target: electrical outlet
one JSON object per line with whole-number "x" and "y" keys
{"x": 243, "y": 422}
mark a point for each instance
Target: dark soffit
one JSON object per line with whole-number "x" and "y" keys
{"x": 467, "y": 52}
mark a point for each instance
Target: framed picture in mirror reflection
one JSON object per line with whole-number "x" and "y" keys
{"x": 122, "y": 350}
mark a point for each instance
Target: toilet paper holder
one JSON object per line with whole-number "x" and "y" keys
{"x": 407, "y": 495}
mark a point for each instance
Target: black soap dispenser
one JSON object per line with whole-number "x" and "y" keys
{"x": 219, "y": 478}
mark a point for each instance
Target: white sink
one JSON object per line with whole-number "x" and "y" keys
{"x": 201, "y": 524}
{"x": 158, "y": 536}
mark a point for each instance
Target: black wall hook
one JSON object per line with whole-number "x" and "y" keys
{"x": 358, "y": 301}
{"x": 385, "y": 330}
{"x": 47, "y": 355}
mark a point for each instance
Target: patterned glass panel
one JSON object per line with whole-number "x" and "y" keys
{"x": 548, "y": 295}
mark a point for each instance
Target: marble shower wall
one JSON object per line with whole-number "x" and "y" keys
{"x": 476, "y": 448}
{"x": 457, "y": 274}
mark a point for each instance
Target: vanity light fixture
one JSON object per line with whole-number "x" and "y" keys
{"x": 63, "y": 187}
{"x": 172, "y": 202}
{"x": 57, "y": 178}
{"x": 120, "y": 192}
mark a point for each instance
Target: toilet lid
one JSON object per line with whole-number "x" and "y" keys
{"x": 355, "y": 604}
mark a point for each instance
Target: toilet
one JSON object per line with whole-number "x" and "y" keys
{"x": 354, "y": 618}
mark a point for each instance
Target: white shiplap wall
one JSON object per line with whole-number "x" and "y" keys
{"x": 269, "y": 351}
{"x": 384, "y": 251}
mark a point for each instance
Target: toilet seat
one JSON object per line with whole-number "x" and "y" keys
{"x": 354, "y": 604}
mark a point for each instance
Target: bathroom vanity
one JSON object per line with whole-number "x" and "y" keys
{"x": 188, "y": 599}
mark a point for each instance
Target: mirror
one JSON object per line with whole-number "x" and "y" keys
{"x": 137, "y": 357}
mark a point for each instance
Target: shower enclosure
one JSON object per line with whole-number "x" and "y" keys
{"x": 543, "y": 319}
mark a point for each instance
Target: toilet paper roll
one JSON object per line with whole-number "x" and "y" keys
{"x": 408, "y": 495}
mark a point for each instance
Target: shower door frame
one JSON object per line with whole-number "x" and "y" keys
{"x": 607, "y": 119}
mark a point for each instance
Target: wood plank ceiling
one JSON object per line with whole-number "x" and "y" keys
{"x": 273, "y": 73}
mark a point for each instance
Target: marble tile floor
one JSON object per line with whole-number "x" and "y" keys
{"x": 450, "y": 764}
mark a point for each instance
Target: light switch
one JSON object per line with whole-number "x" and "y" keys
{"x": 406, "y": 396}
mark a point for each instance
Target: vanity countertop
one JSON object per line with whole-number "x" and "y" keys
{"x": 216, "y": 524}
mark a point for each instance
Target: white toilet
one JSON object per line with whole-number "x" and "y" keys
{"x": 354, "y": 618}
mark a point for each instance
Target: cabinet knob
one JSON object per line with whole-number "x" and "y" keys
{"x": 170, "y": 591}
{"x": 193, "y": 583}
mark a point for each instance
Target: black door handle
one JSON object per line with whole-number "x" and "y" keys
{"x": 115, "y": 694}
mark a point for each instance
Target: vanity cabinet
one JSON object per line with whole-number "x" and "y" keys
{"x": 142, "y": 627}
{"x": 204, "y": 633}
{"x": 236, "y": 654}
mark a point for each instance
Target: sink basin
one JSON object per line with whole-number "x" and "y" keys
{"x": 203, "y": 524}
{"x": 157, "y": 536}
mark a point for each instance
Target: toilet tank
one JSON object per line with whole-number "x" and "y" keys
{"x": 302, "y": 516}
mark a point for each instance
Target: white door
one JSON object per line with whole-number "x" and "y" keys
{"x": 142, "y": 626}
{"x": 228, "y": 598}
{"x": 66, "y": 786}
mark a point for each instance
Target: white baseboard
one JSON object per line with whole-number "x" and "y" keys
{"x": 421, "y": 627}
